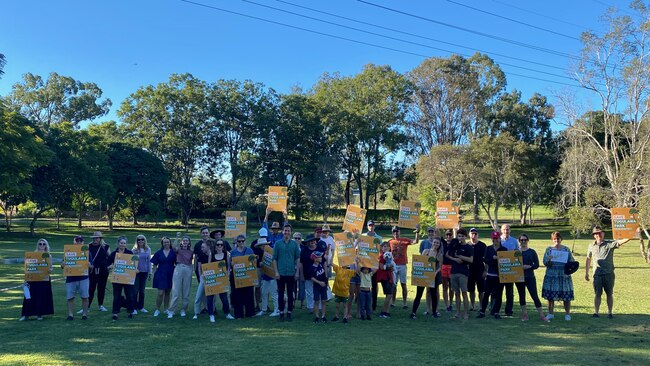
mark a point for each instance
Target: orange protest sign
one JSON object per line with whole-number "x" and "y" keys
{"x": 345, "y": 251}
{"x": 37, "y": 266}
{"x": 409, "y": 214}
{"x": 235, "y": 223}
{"x": 75, "y": 260}
{"x": 277, "y": 198}
{"x": 447, "y": 214}
{"x": 625, "y": 223}
{"x": 368, "y": 251}
{"x": 511, "y": 266}
{"x": 124, "y": 268}
{"x": 267, "y": 262}
{"x": 354, "y": 218}
{"x": 423, "y": 271}
{"x": 215, "y": 278}
{"x": 245, "y": 271}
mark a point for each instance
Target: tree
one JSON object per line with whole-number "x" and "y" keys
{"x": 444, "y": 174}
{"x": 3, "y": 62}
{"x": 170, "y": 120}
{"x": 450, "y": 96}
{"x": 21, "y": 153}
{"x": 58, "y": 99}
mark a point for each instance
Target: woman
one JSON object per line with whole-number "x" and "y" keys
{"x": 143, "y": 251}
{"x": 220, "y": 254}
{"x": 98, "y": 252}
{"x": 242, "y": 298}
{"x": 182, "y": 279}
{"x": 530, "y": 264}
{"x": 40, "y": 302}
{"x": 557, "y": 285}
{"x": 118, "y": 288}
{"x": 206, "y": 256}
{"x": 164, "y": 261}
{"x": 436, "y": 252}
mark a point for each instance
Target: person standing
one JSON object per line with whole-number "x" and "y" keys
{"x": 304, "y": 266}
{"x": 143, "y": 251}
{"x": 242, "y": 299}
{"x": 447, "y": 293}
{"x": 462, "y": 255}
{"x": 434, "y": 251}
{"x": 219, "y": 234}
{"x": 205, "y": 257}
{"x": 331, "y": 248}
{"x": 269, "y": 285}
{"x": 182, "y": 279}
{"x": 77, "y": 284}
{"x": 40, "y": 301}
{"x": 530, "y": 262}
{"x": 493, "y": 287}
{"x": 164, "y": 261}
{"x": 220, "y": 254}
{"x": 319, "y": 278}
{"x": 399, "y": 248}
{"x": 198, "y": 252}
{"x": 374, "y": 290}
{"x": 476, "y": 280}
{"x": 275, "y": 233}
{"x": 119, "y": 288}
{"x": 98, "y": 252}
{"x": 286, "y": 257}
{"x": 557, "y": 285}
{"x": 600, "y": 259}
{"x": 509, "y": 243}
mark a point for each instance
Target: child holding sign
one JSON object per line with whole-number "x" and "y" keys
{"x": 40, "y": 300}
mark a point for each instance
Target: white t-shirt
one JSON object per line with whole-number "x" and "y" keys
{"x": 331, "y": 247}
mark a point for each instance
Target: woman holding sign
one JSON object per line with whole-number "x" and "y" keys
{"x": 557, "y": 285}
{"x": 243, "y": 299}
{"x": 206, "y": 256}
{"x": 220, "y": 254}
{"x": 118, "y": 288}
{"x": 437, "y": 252}
{"x": 530, "y": 262}
{"x": 39, "y": 302}
{"x": 164, "y": 261}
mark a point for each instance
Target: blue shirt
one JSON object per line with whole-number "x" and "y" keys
{"x": 510, "y": 243}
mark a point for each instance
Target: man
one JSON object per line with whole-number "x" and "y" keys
{"x": 286, "y": 257}
{"x": 306, "y": 262}
{"x": 77, "y": 284}
{"x": 268, "y": 285}
{"x": 493, "y": 287}
{"x": 600, "y": 257}
{"x": 461, "y": 255}
{"x": 476, "y": 281}
{"x": 375, "y": 291}
{"x": 275, "y": 233}
{"x": 426, "y": 244}
{"x": 198, "y": 253}
{"x": 98, "y": 252}
{"x": 399, "y": 248}
{"x": 509, "y": 243}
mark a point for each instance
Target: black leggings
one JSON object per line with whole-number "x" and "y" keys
{"x": 375, "y": 291}
{"x": 530, "y": 284}
{"x": 494, "y": 289}
{"x": 117, "y": 298}
{"x": 97, "y": 281}
{"x": 288, "y": 282}
{"x": 433, "y": 292}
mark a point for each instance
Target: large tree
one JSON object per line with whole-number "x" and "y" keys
{"x": 170, "y": 120}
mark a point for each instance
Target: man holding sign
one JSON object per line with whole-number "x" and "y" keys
{"x": 600, "y": 258}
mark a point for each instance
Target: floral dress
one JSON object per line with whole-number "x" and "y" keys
{"x": 557, "y": 285}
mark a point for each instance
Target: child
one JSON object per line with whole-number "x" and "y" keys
{"x": 341, "y": 290}
{"x": 365, "y": 293}
{"x": 385, "y": 277}
{"x": 319, "y": 278}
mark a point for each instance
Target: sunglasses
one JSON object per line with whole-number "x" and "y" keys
{"x": 447, "y": 234}
{"x": 297, "y": 238}
{"x": 140, "y": 239}
{"x": 241, "y": 241}
{"x": 219, "y": 245}
{"x": 43, "y": 244}
{"x": 523, "y": 239}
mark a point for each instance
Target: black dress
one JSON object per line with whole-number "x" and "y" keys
{"x": 41, "y": 302}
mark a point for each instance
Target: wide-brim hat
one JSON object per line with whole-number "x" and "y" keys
{"x": 571, "y": 267}
{"x": 326, "y": 228}
{"x": 97, "y": 234}
{"x": 213, "y": 233}
{"x": 262, "y": 241}
{"x": 596, "y": 230}
{"x": 310, "y": 237}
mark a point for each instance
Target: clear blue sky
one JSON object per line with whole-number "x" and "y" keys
{"x": 122, "y": 45}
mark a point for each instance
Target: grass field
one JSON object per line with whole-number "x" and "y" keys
{"x": 146, "y": 340}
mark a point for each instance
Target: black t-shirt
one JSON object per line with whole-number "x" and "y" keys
{"x": 197, "y": 247}
{"x": 491, "y": 263}
{"x": 477, "y": 267}
{"x": 111, "y": 257}
{"x": 98, "y": 256}
{"x": 318, "y": 272}
{"x": 259, "y": 252}
{"x": 446, "y": 246}
{"x": 305, "y": 258}
{"x": 464, "y": 250}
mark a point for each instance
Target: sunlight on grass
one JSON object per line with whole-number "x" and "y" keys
{"x": 34, "y": 358}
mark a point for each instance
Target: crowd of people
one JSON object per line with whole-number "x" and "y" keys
{"x": 304, "y": 271}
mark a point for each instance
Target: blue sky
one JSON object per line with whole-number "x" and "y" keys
{"x": 122, "y": 45}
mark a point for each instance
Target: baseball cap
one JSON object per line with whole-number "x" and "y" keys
{"x": 495, "y": 235}
{"x": 473, "y": 230}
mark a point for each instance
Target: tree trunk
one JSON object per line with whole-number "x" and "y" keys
{"x": 58, "y": 219}
{"x": 8, "y": 221}
{"x": 110, "y": 215}
{"x": 475, "y": 208}
{"x": 32, "y": 224}
{"x": 347, "y": 188}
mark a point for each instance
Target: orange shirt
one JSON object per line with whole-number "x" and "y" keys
{"x": 399, "y": 249}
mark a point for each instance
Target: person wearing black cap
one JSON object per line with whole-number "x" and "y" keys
{"x": 304, "y": 266}
{"x": 600, "y": 259}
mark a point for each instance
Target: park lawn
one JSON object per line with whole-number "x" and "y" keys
{"x": 147, "y": 340}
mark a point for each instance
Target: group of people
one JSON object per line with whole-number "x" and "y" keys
{"x": 301, "y": 268}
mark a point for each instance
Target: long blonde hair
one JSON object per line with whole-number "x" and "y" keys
{"x": 135, "y": 246}
{"x": 47, "y": 245}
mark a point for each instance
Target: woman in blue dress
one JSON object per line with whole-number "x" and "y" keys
{"x": 557, "y": 285}
{"x": 164, "y": 262}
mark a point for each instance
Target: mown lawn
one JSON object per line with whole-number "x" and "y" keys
{"x": 147, "y": 340}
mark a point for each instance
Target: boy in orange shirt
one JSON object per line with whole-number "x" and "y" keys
{"x": 341, "y": 291}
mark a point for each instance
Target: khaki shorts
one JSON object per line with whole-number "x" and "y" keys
{"x": 458, "y": 282}
{"x": 71, "y": 289}
{"x": 604, "y": 283}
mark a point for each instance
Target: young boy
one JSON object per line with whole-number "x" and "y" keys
{"x": 365, "y": 293}
{"x": 319, "y": 278}
{"x": 341, "y": 290}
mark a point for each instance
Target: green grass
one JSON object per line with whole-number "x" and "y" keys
{"x": 147, "y": 340}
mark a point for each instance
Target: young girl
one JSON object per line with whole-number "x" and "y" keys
{"x": 164, "y": 262}
{"x": 365, "y": 292}
{"x": 436, "y": 252}
{"x": 319, "y": 278}
{"x": 40, "y": 302}
{"x": 182, "y": 278}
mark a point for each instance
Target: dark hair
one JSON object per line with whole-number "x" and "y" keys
{"x": 461, "y": 232}
{"x": 204, "y": 228}
{"x": 524, "y": 236}
{"x": 162, "y": 240}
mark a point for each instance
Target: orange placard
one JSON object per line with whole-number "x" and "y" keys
{"x": 37, "y": 266}
{"x": 235, "y": 223}
{"x": 423, "y": 271}
{"x": 215, "y": 278}
{"x": 267, "y": 262}
{"x": 277, "y": 198}
{"x": 368, "y": 251}
{"x": 124, "y": 268}
{"x": 345, "y": 250}
{"x": 245, "y": 271}
{"x": 75, "y": 259}
{"x": 447, "y": 214}
{"x": 354, "y": 219}
{"x": 409, "y": 214}
{"x": 625, "y": 223}
{"x": 511, "y": 266}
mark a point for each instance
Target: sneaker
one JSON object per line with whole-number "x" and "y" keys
{"x": 69, "y": 317}
{"x": 130, "y": 316}
{"x": 114, "y": 317}
{"x": 81, "y": 311}
{"x": 404, "y": 307}
{"x": 274, "y": 314}
{"x": 22, "y": 319}
{"x": 102, "y": 308}
{"x": 183, "y": 313}
{"x": 316, "y": 320}
{"x": 335, "y": 319}
{"x": 170, "y": 315}
{"x": 549, "y": 317}
{"x": 524, "y": 317}
{"x": 595, "y": 315}
{"x": 289, "y": 318}
{"x": 449, "y": 309}
{"x": 211, "y": 318}
{"x": 387, "y": 315}
{"x": 381, "y": 315}
{"x": 497, "y": 316}
{"x": 543, "y": 318}
{"x": 368, "y": 317}
{"x": 436, "y": 315}
{"x": 143, "y": 310}
{"x": 230, "y": 317}
{"x": 323, "y": 319}
{"x": 567, "y": 317}
{"x": 392, "y": 305}
{"x": 84, "y": 317}
{"x": 135, "y": 312}
{"x": 260, "y": 313}
{"x": 425, "y": 313}
{"x": 610, "y": 316}
{"x": 195, "y": 317}
{"x": 412, "y": 316}
{"x": 156, "y": 313}
{"x": 509, "y": 315}
{"x": 281, "y": 317}
{"x": 481, "y": 315}
{"x": 345, "y": 320}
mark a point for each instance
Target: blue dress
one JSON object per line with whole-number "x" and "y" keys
{"x": 557, "y": 285}
{"x": 162, "y": 278}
